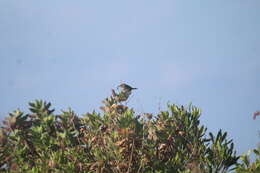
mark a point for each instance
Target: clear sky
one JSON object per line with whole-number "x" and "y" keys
{"x": 73, "y": 52}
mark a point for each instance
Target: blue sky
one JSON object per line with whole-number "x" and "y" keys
{"x": 73, "y": 52}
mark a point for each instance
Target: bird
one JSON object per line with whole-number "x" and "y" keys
{"x": 126, "y": 88}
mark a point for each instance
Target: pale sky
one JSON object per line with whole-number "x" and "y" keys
{"x": 72, "y": 53}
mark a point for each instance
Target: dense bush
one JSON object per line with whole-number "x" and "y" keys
{"x": 117, "y": 141}
{"x": 248, "y": 167}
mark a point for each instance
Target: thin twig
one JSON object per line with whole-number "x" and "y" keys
{"x": 142, "y": 148}
{"x": 131, "y": 156}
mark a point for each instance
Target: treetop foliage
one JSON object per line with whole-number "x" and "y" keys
{"x": 116, "y": 140}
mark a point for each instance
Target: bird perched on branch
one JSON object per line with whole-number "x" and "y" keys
{"x": 126, "y": 88}
{"x": 125, "y": 92}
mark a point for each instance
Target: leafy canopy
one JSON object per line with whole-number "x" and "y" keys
{"x": 117, "y": 140}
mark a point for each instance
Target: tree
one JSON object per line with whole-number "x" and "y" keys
{"x": 116, "y": 140}
{"x": 246, "y": 165}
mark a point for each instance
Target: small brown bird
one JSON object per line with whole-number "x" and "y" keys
{"x": 126, "y": 88}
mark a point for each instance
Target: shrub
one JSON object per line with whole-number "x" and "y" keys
{"x": 246, "y": 165}
{"x": 117, "y": 141}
